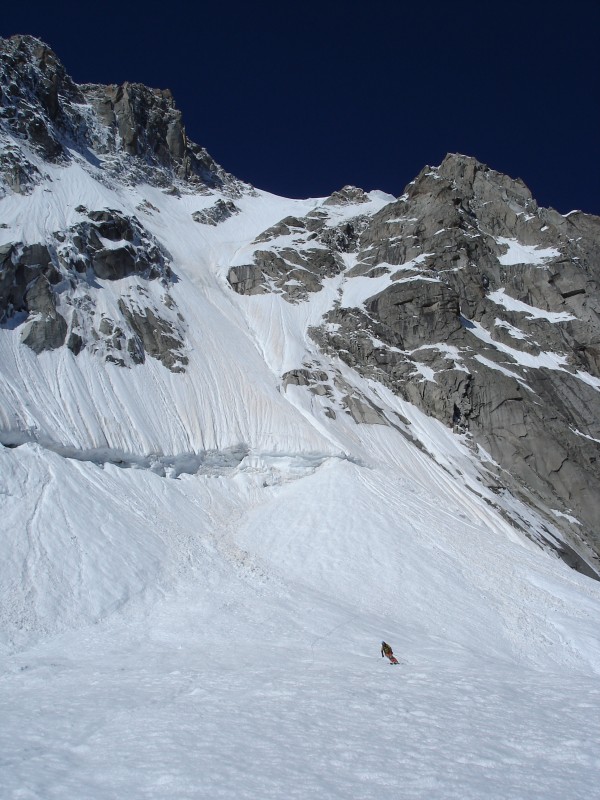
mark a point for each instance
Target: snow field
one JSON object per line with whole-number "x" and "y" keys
{"x": 216, "y": 633}
{"x": 262, "y": 689}
{"x": 231, "y": 636}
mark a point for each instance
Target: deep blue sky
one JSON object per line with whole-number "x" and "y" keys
{"x": 302, "y": 98}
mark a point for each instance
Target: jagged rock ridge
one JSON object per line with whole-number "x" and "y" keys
{"x": 135, "y": 132}
{"x": 129, "y": 134}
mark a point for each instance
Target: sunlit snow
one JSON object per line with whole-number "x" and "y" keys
{"x": 197, "y": 569}
{"x": 512, "y": 304}
{"x": 517, "y": 253}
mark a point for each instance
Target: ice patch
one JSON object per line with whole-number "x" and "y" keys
{"x": 546, "y": 359}
{"x": 356, "y": 291}
{"x": 584, "y": 435}
{"x": 422, "y": 369}
{"x": 568, "y": 517}
{"x": 516, "y": 333}
{"x": 517, "y": 253}
{"x": 493, "y": 365}
{"x": 512, "y": 304}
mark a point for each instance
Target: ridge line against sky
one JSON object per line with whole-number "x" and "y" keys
{"x": 300, "y": 101}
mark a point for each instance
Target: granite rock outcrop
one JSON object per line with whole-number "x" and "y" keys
{"x": 134, "y": 133}
{"x": 484, "y": 312}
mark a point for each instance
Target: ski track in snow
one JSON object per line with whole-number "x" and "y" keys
{"x": 215, "y": 632}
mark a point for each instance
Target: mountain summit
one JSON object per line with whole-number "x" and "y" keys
{"x": 136, "y": 134}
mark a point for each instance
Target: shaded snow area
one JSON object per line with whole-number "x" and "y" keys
{"x": 197, "y": 568}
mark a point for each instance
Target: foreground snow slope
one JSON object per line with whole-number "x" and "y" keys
{"x": 203, "y": 618}
{"x": 220, "y": 636}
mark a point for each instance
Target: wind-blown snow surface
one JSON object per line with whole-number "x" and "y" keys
{"x": 204, "y": 620}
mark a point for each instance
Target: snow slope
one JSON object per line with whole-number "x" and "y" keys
{"x": 203, "y": 618}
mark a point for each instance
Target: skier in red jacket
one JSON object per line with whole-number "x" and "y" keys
{"x": 386, "y": 650}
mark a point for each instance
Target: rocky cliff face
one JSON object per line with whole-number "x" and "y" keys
{"x": 51, "y": 288}
{"x": 462, "y": 296}
{"x": 484, "y": 312}
{"x": 124, "y": 135}
{"x": 136, "y": 133}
